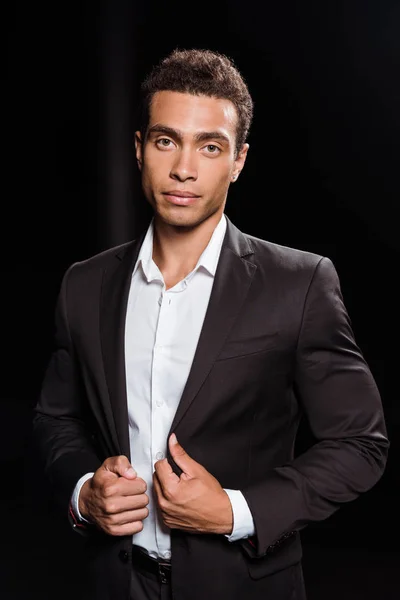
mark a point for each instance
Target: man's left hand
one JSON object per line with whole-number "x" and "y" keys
{"x": 195, "y": 501}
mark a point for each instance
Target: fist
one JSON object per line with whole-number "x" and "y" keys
{"x": 115, "y": 498}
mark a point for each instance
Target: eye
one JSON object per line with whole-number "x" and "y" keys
{"x": 212, "y": 149}
{"x": 164, "y": 142}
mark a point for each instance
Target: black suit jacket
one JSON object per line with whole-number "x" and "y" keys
{"x": 276, "y": 342}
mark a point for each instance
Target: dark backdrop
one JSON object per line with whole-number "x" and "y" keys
{"x": 322, "y": 175}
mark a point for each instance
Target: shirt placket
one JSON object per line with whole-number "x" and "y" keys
{"x": 159, "y": 416}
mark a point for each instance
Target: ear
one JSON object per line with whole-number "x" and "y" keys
{"x": 239, "y": 161}
{"x": 139, "y": 149}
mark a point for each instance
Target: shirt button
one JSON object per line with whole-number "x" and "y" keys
{"x": 159, "y": 455}
{"x": 167, "y": 554}
{"x": 159, "y": 402}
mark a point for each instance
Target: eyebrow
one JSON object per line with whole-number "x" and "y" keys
{"x": 201, "y": 136}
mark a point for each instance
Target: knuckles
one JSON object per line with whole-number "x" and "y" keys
{"x": 170, "y": 494}
{"x": 113, "y": 461}
{"x": 119, "y": 461}
{"x": 140, "y": 485}
{"x": 110, "y": 508}
{"x": 108, "y": 490}
{"x": 163, "y": 502}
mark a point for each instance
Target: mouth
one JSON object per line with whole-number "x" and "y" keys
{"x": 181, "y": 198}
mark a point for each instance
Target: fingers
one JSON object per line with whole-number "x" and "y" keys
{"x": 123, "y": 487}
{"x": 165, "y": 476}
{"x": 119, "y": 465}
{"x": 126, "y": 517}
{"x": 129, "y": 516}
{"x": 122, "y": 504}
{"x": 125, "y": 523}
{"x": 127, "y": 529}
{"x": 113, "y": 499}
{"x": 113, "y": 478}
{"x": 119, "y": 515}
{"x": 189, "y": 466}
{"x": 158, "y": 489}
{"x": 164, "y": 469}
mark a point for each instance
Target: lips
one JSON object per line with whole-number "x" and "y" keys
{"x": 181, "y": 194}
{"x": 181, "y": 198}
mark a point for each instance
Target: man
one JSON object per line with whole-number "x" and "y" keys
{"x": 183, "y": 363}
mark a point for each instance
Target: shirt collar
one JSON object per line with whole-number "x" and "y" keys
{"x": 145, "y": 258}
{"x": 208, "y": 259}
{"x": 210, "y": 255}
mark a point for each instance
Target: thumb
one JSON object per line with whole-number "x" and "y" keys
{"x": 121, "y": 466}
{"x": 180, "y": 456}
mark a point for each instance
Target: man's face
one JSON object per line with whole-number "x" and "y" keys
{"x": 188, "y": 157}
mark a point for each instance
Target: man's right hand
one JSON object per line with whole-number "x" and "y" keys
{"x": 114, "y": 499}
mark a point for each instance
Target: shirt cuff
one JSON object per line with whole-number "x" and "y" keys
{"x": 75, "y": 497}
{"x": 243, "y": 524}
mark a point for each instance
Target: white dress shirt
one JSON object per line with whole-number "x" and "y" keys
{"x": 161, "y": 333}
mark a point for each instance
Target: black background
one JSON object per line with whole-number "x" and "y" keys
{"x": 322, "y": 175}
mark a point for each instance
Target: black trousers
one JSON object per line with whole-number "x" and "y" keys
{"x": 146, "y": 587}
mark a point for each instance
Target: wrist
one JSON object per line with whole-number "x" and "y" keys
{"x": 225, "y": 515}
{"x": 83, "y": 500}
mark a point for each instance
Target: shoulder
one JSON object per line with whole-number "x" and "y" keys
{"x": 283, "y": 257}
{"x": 96, "y": 264}
{"x": 289, "y": 266}
{"x": 104, "y": 258}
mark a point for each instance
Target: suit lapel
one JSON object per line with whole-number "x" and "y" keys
{"x": 113, "y": 306}
{"x": 231, "y": 284}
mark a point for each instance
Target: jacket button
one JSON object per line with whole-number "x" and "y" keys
{"x": 123, "y": 556}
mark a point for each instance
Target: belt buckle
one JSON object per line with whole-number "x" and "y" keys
{"x": 161, "y": 571}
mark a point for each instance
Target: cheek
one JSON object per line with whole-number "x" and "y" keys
{"x": 220, "y": 179}
{"x": 155, "y": 167}
{"x": 221, "y": 168}
{"x": 150, "y": 174}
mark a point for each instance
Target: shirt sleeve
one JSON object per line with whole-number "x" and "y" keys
{"x": 75, "y": 497}
{"x": 243, "y": 524}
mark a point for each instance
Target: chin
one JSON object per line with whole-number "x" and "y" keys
{"x": 180, "y": 217}
{"x": 181, "y": 221}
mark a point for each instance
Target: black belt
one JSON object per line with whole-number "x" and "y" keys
{"x": 160, "y": 570}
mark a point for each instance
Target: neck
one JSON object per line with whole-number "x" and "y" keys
{"x": 176, "y": 250}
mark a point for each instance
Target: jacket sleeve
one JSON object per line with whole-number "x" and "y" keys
{"x": 338, "y": 393}
{"x": 60, "y": 425}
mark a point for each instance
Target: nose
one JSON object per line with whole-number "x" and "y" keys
{"x": 184, "y": 166}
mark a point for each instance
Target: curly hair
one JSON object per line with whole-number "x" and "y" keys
{"x": 201, "y": 73}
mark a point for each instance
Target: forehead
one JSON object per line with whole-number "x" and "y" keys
{"x": 191, "y": 114}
